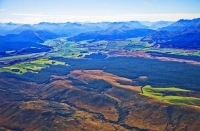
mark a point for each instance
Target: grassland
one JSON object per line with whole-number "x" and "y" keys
{"x": 18, "y": 56}
{"x": 88, "y": 75}
{"x": 66, "y": 49}
{"x": 63, "y": 48}
{"x": 32, "y": 66}
{"x": 130, "y": 47}
{"x": 80, "y": 96}
{"x": 136, "y": 44}
{"x": 158, "y": 93}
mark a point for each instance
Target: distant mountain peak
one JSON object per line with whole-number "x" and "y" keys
{"x": 181, "y": 24}
{"x": 22, "y": 28}
{"x": 181, "y": 34}
{"x": 26, "y": 27}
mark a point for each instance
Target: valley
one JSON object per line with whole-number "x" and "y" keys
{"x": 101, "y": 78}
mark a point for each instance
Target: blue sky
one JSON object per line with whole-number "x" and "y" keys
{"x": 34, "y": 11}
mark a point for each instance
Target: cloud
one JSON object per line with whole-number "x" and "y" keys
{"x": 33, "y": 15}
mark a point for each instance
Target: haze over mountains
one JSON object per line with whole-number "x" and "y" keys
{"x": 111, "y": 34}
{"x": 70, "y": 29}
{"x": 181, "y": 34}
{"x": 26, "y": 40}
{"x": 156, "y": 25}
{"x": 100, "y": 65}
{"x": 51, "y": 67}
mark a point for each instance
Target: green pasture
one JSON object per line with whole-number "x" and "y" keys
{"x": 157, "y": 93}
{"x": 32, "y": 66}
{"x": 18, "y": 56}
{"x": 67, "y": 49}
{"x": 64, "y": 48}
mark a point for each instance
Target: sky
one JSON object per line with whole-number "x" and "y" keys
{"x": 35, "y": 11}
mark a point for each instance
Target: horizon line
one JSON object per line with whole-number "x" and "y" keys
{"x": 35, "y": 18}
{"x": 97, "y": 21}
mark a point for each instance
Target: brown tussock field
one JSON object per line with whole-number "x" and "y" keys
{"x": 88, "y": 75}
{"x": 63, "y": 84}
{"x": 178, "y": 60}
{"x": 143, "y": 77}
{"x": 131, "y": 53}
{"x": 54, "y": 87}
{"x": 58, "y": 77}
{"x": 142, "y": 54}
{"x": 109, "y": 112}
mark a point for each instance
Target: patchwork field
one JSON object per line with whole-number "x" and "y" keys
{"x": 32, "y": 66}
{"x": 101, "y": 85}
{"x": 171, "y": 95}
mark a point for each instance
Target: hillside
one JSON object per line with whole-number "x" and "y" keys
{"x": 21, "y": 29}
{"x": 160, "y": 24}
{"x": 111, "y": 34}
{"x": 28, "y": 36}
{"x": 98, "y": 98}
{"x": 76, "y": 28}
{"x": 26, "y": 39}
{"x": 6, "y": 27}
{"x": 68, "y": 28}
{"x": 183, "y": 34}
{"x": 181, "y": 24}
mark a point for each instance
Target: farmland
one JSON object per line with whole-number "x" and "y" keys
{"x": 160, "y": 94}
{"x": 32, "y": 66}
{"x": 64, "y": 48}
{"x": 90, "y": 83}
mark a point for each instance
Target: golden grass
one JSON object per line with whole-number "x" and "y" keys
{"x": 109, "y": 112}
{"x": 88, "y": 122}
{"x": 143, "y": 54}
{"x": 130, "y": 53}
{"x": 80, "y": 120}
{"x": 35, "y": 105}
{"x": 115, "y": 98}
{"x": 178, "y": 60}
{"x": 58, "y": 77}
{"x": 139, "y": 120}
{"x": 63, "y": 84}
{"x": 143, "y": 77}
{"x": 58, "y": 86}
{"x": 88, "y": 75}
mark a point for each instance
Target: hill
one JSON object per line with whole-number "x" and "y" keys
{"x": 160, "y": 24}
{"x": 156, "y": 25}
{"x": 183, "y": 34}
{"x": 70, "y": 29}
{"x": 28, "y": 36}
{"x": 26, "y": 39}
{"x": 111, "y": 34}
{"x": 181, "y": 24}
{"x": 21, "y": 29}
{"x": 6, "y": 27}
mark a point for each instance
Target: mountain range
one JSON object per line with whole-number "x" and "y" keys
{"x": 5, "y": 28}
{"x": 183, "y": 34}
{"x": 26, "y": 40}
{"x": 156, "y": 25}
{"x": 67, "y": 29}
{"x": 22, "y": 28}
{"x": 111, "y": 34}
